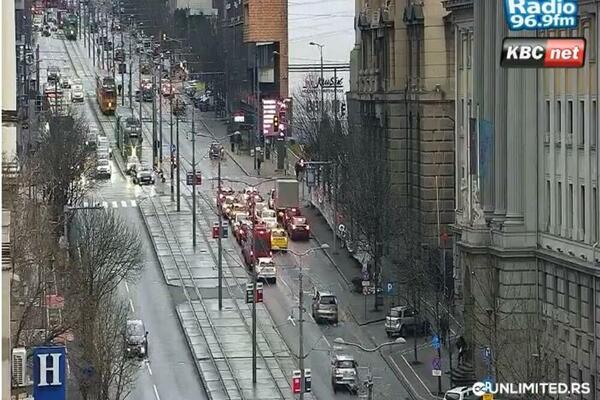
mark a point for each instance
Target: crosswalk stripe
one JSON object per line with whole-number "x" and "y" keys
{"x": 133, "y": 203}
{"x": 104, "y": 204}
{"x": 114, "y": 204}
{"x": 85, "y": 204}
{"x": 123, "y": 203}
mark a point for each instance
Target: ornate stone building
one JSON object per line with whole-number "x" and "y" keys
{"x": 401, "y": 83}
{"x": 527, "y": 231}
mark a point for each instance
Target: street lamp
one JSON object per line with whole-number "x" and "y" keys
{"x": 324, "y": 246}
{"x": 322, "y": 79}
{"x": 340, "y": 340}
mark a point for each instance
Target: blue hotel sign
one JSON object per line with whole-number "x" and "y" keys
{"x": 49, "y": 373}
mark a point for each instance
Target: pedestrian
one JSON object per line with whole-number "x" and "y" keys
{"x": 258, "y": 162}
{"x": 461, "y": 345}
{"x": 120, "y": 89}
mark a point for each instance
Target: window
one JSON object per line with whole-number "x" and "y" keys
{"x": 544, "y": 287}
{"x": 570, "y": 117}
{"x": 582, "y": 211}
{"x": 461, "y": 115}
{"x": 567, "y": 294}
{"x": 581, "y": 124}
{"x": 547, "y": 115}
{"x": 594, "y": 124}
{"x": 570, "y": 207}
{"x": 556, "y": 370}
{"x": 591, "y": 311}
{"x": 569, "y": 373}
{"x": 559, "y": 206}
{"x": 580, "y": 380}
{"x": 558, "y": 127}
{"x": 547, "y": 206}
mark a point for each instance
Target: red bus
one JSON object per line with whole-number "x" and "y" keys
{"x": 258, "y": 244}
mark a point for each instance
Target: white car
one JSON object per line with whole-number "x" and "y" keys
{"x": 103, "y": 169}
{"x": 461, "y": 393}
{"x": 266, "y": 270}
{"x": 77, "y": 91}
{"x": 268, "y": 217}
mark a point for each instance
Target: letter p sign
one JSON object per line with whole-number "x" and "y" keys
{"x": 49, "y": 379}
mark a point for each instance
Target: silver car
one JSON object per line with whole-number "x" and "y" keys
{"x": 344, "y": 372}
{"x": 103, "y": 169}
{"x": 325, "y": 307}
{"x": 77, "y": 92}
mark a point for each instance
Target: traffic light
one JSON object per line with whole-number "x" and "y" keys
{"x": 276, "y": 123}
{"x": 259, "y": 292}
{"x": 343, "y": 109}
{"x": 249, "y": 297}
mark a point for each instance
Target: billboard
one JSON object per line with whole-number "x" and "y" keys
{"x": 49, "y": 373}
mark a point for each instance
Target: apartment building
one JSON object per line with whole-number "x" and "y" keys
{"x": 527, "y": 220}
{"x": 254, "y": 43}
{"x": 401, "y": 85}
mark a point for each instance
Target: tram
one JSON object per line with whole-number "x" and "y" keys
{"x": 106, "y": 94}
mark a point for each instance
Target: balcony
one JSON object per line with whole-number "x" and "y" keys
{"x": 369, "y": 80}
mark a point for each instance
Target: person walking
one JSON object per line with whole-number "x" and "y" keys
{"x": 258, "y": 162}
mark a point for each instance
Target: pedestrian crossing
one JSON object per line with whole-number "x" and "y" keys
{"x": 111, "y": 204}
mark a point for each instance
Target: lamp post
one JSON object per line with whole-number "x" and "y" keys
{"x": 322, "y": 78}
{"x": 300, "y": 314}
{"x": 160, "y": 136}
{"x": 194, "y": 183}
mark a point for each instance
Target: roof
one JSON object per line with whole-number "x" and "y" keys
{"x": 326, "y": 293}
{"x": 458, "y": 389}
{"x": 344, "y": 357}
{"x": 399, "y": 308}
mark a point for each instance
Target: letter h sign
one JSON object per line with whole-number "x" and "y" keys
{"x": 49, "y": 378}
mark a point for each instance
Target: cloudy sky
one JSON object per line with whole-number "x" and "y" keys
{"x": 329, "y": 22}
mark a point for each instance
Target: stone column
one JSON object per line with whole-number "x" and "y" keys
{"x": 488, "y": 104}
{"x": 500, "y": 120}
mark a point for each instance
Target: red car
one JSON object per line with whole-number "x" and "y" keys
{"x": 287, "y": 216}
{"x": 298, "y": 229}
{"x": 241, "y": 232}
{"x": 257, "y": 244}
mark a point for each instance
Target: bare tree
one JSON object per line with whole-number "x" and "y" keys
{"x": 63, "y": 165}
{"x": 100, "y": 364}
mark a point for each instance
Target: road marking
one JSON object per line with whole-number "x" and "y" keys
{"x": 327, "y": 341}
{"x": 104, "y": 204}
{"x": 127, "y": 287}
{"x": 85, "y": 204}
{"x": 149, "y": 369}
{"x": 131, "y": 305}
{"x": 133, "y": 203}
{"x": 114, "y": 204}
{"x": 123, "y": 203}
{"x": 156, "y": 392}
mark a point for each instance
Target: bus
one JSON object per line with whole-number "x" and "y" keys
{"x": 106, "y": 94}
{"x": 70, "y": 27}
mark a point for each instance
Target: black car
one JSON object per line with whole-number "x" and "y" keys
{"x": 120, "y": 54}
{"x": 136, "y": 339}
{"x": 216, "y": 151}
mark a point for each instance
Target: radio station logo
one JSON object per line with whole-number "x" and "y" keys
{"x": 543, "y": 53}
{"x": 540, "y": 14}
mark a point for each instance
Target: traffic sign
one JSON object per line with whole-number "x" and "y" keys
{"x": 436, "y": 372}
{"x": 435, "y": 342}
{"x": 390, "y": 288}
{"x": 173, "y": 148}
{"x": 486, "y": 353}
{"x": 487, "y": 396}
{"x": 341, "y": 228}
{"x": 436, "y": 363}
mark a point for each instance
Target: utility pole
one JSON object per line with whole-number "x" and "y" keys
{"x": 193, "y": 182}
{"x": 130, "y": 84}
{"x": 220, "y": 245}
{"x": 178, "y": 168}
{"x": 160, "y": 135}
{"x": 154, "y": 133}
{"x": 254, "y": 344}
{"x": 258, "y": 104}
{"x": 140, "y": 91}
{"x": 122, "y": 72}
{"x": 301, "y": 330}
{"x": 171, "y": 149}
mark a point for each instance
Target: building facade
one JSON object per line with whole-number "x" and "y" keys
{"x": 401, "y": 80}
{"x": 527, "y": 220}
{"x": 254, "y": 40}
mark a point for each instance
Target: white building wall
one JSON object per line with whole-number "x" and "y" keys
{"x": 9, "y": 77}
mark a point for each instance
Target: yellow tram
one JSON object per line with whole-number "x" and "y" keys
{"x": 106, "y": 94}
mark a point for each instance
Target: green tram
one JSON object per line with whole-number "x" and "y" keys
{"x": 128, "y": 134}
{"x": 70, "y": 27}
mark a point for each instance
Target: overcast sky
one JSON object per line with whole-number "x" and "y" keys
{"x": 328, "y": 22}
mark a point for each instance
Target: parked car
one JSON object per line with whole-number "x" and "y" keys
{"x": 344, "y": 372}
{"x": 53, "y": 76}
{"x": 461, "y": 393}
{"x": 136, "y": 338}
{"x": 403, "y": 319}
{"x": 324, "y": 307}
{"x": 238, "y": 225}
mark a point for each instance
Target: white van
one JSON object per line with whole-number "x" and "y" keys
{"x": 461, "y": 393}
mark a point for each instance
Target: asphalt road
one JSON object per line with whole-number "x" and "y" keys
{"x": 169, "y": 372}
{"x": 170, "y": 369}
